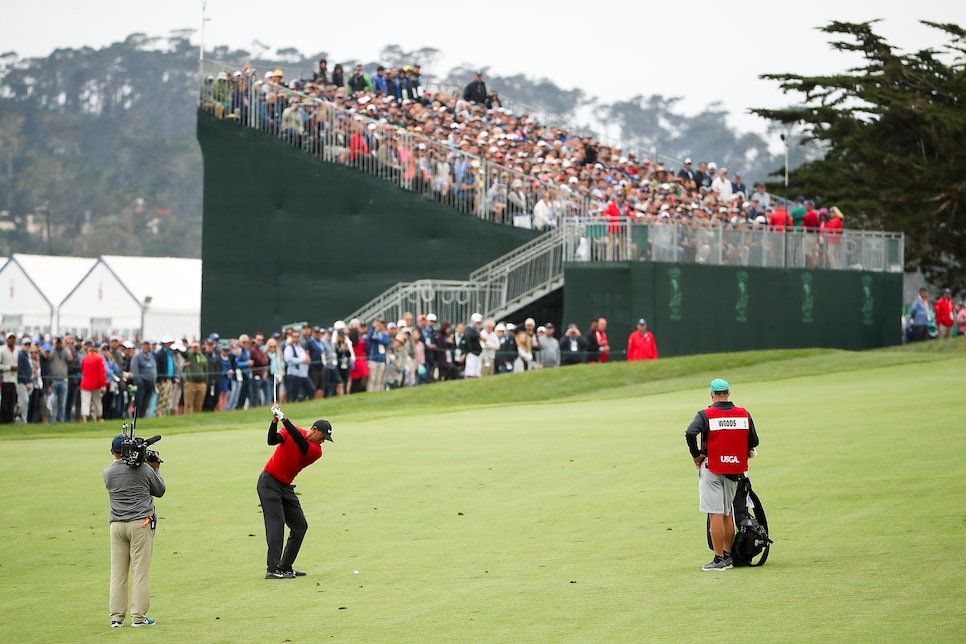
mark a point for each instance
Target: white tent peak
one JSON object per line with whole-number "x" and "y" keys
{"x": 54, "y": 276}
{"x": 172, "y": 283}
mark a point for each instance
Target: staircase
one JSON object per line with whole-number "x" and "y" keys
{"x": 507, "y": 284}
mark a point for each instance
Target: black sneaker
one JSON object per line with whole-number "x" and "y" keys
{"x": 279, "y": 574}
{"x": 298, "y": 573}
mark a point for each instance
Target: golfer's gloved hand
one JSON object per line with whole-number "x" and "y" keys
{"x": 278, "y": 413}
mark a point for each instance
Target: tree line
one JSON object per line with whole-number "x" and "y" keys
{"x": 98, "y": 152}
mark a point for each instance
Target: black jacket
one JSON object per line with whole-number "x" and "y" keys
{"x": 572, "y": 352}
{"x": 475, "y": 92}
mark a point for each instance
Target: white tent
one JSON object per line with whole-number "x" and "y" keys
{"x": 33, "y": 286}
{"x": 100, "y": 304}
{"x": 167, "y": 291}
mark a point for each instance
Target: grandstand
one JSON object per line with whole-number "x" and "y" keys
{"x": 591, "y": 202}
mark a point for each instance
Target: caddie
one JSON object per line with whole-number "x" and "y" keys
{"x": 728, "y": 439}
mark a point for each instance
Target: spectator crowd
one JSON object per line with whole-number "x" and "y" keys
{"x": 468, "y": 150}
{"x": 68, "y": 379}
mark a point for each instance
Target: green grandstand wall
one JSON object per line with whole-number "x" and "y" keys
{"x": 695, "y": 309}
{"x": 288, "y": 237}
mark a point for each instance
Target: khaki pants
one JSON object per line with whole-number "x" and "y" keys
{"x": 377, "y": 376}
{"x": 194, "y": 396}
{"x": 91, "y": 404}
{"x": 944, "y": 331}
{"x": 132, "y": 543}
{"x": 487, "y": 368}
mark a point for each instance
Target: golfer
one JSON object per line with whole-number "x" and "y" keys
{"x": 295, "y": 450}
{"x": 728, "y": 439}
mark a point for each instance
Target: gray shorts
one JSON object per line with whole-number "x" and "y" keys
{"x": 716, "y": 492}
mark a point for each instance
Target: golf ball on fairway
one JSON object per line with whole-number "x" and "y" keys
{"x": 356, "y": 572}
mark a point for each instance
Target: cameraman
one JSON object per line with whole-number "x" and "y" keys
{"x": 295, "y": 450}
{"x": 133, "y": 521}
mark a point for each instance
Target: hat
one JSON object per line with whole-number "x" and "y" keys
{"x": 642, "y": 322}
{"x": 105, "y": 345}
{"x": 339, "y": 325}
{"x": 719, "y": 386}
{"x": 431, "y": 317}
{"x": 224, "y": 347}
{"x": 11, "y": 335}
{"x": 116, "y": 443}
{"x": 946, "y": 290}
{"x": 529, "y": 322}
{"x": 500, "y": 327}
{"x": 712, "y": 166}
{"x": 316, "y": 329}
{"x": 541, "y": 329}
{"x": 325, "y": 427}
{"x": 166, "y": 339}
{"x": 391, "y": 325}
{"x": 26, "y": 340}
{"x": 127, "y": 344}
{"x": 548, "y": 325}
{"x": 687, "y": 161}
{"x": 278, "y": 72}
{"x": 215, "y": 337}
{"x": 476, "y": 317}
{"x": 510, "y": 326}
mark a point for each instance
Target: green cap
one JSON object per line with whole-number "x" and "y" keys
{"x": 719, "y": 386}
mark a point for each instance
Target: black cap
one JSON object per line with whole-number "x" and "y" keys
{"x": 325, "y": 427}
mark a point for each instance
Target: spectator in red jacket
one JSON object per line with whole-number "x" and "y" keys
{"x": 93, "y": 383}
{"x": 602, "y": 344}
{"x": 833, "y": 235}
{"x": 944, "y": 309}
{"x": 780, "y": 220}
{"x": 640, "y": 344}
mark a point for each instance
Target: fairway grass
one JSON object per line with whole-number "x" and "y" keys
{"x": 543, "y": 507}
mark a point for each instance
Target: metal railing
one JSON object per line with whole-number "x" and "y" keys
{"x": 531, "y": 271}
{"x": 449, "y": 299}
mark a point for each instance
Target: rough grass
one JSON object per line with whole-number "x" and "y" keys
{"x": 549, "y": 506}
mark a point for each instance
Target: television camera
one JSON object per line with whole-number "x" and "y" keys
{"x": 134, "y": 449}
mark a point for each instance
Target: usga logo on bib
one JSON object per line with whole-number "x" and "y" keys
{"x": 730, "y": 459}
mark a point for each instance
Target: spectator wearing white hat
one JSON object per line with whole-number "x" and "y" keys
{"x": 723, "y": 185}
{"x": 474, "y": 347}
{"x": 548, "y": 346}
{"x": 490, "y": 341}
{"x": 687, "y": 175}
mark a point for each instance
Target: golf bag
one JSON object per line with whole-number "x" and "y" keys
{"x": 751, "y": 527}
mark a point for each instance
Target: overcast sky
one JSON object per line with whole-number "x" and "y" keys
{"x": 703, "y": 51}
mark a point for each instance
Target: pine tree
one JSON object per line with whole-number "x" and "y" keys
{"x": 895, "y": 133}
